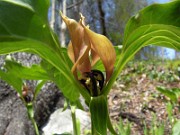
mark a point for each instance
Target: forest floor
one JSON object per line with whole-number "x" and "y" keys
{"x": 134, "y": 98}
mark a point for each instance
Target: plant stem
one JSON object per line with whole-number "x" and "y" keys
{"x": 73, "y": 115}
{"x": 35, "y": 126}
{"x": 30, "y": 110}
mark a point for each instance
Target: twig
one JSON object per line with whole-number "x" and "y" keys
{"x": 132, "y": 118}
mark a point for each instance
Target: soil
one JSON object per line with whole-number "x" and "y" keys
{"x": 139, "y": 101}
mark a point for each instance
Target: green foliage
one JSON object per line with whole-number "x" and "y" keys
{"x": 173, "y": 93}
{"x": 38, "y": 88}
{"x": 157, "y": 128}
{"x": 13, "y": 80}
{"x": 35, "y": 72}
{"x": 24, "y": 27}
{"x": 176, "y": 127}
{"x": 124, "y": 129}
{"x": 153, "y": 70}
{"x": 169, "y": 109}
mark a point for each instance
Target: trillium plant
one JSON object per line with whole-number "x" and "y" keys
{"x": 84, "y": 50}
{"x": 89, "y": 65}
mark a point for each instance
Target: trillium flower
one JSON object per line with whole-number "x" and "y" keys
{"x": 87, "y": 47}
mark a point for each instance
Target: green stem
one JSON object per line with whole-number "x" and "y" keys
{"x": 73, "y": 115}
{"x": 30, "y": 110}
{"x": 35, "y": 126}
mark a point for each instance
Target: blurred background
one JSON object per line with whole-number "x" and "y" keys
{"x": 107, "y": 17}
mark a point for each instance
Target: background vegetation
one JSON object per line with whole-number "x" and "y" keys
{"x": 107, "y": 17}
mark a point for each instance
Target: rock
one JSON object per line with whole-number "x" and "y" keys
{"x": 13, "y": 115}
{"x": 61, "y": 122}
{"x": 48, "y": 100}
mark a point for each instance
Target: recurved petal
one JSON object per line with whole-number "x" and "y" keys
{"x": 71, "y": 52}
{"x": 95, "y": 57}
{"x": 78, "y": 49}
{"x": 83, "y": 62}
{"x": 76, "y": 32}
{"x": 104, "y": 49}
